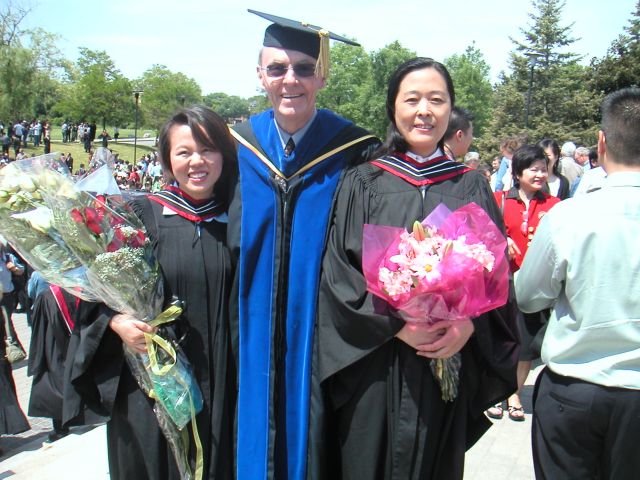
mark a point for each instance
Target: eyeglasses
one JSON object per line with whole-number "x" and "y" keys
{"x": 277, "y": 70}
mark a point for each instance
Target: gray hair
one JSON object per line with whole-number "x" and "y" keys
{"x": 568, "y": 149}
{"x": 581, "y": 151}
{"x": 472, "y": 158}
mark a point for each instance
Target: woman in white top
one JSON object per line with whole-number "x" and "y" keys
{"x": 557, "y": 184}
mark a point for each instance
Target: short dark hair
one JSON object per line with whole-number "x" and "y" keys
{"x": 593, "y": 156}
{"x": 555, "y": 148}
{"x": 620, "y": 119}
{"x": 210, "y": 130}
{"x": 460, "y": 119}
{"x": 395, "y": 141}
{"x": 524, "y": 157}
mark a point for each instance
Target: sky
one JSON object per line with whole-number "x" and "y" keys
{"x": 217, "y": 42}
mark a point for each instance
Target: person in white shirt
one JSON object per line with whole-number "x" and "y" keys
{"x": 585, "y": 263}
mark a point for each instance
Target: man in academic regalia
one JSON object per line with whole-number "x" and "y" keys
{"x": 291, "y": 159}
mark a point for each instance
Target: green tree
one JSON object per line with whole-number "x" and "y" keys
{"x": 30, "y": 66}
{"x": 258, "y": 103}
{"x": 96, "y": 91}
{"x": 383, "y": 63}
{"x": 16, "y": 71}
{"x": 345, "y": 92}
{"x": 470, "y": 73}
{"x": 620, "y": 67}
{"x": 52, "y": 69}
{"x": 546, "y": 92}
{"x": 11, "y": 16}
{"x": 229, "y": 107}
{"x": 163, "y": 92}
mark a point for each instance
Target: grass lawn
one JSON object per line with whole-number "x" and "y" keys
{"x": 56, "y": 132}
{"x": 124, "y": 151}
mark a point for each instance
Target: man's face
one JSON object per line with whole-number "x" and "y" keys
{"x": 581, "y": 159}
{"x": 293, "y": 97}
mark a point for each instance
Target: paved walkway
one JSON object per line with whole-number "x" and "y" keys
{"x": 504, "y": 453}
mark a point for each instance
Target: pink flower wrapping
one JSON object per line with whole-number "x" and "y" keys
{"x": 454, "y": 267}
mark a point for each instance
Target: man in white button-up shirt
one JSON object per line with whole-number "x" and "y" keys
{"x": 584, "y": 262}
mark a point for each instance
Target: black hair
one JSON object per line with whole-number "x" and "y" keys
{"x": 209, "y": 130}
{"x": 593, "y": 157}
{"x": 395, "y": 141}
{"x": 524, "y": 157}
{"x": 460, "y": 119}
{"x": 484, "y": 169}
{"x": 555, "y": 148}
{"x": 620, "y": 119}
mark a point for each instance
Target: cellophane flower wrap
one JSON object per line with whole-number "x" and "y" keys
{"x": 110, "y": 257}
{"x": 452, "y": 266}
{"x": 27, "y": 222}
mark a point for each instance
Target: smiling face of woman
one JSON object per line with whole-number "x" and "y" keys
{"x": 533, "y": 177}
{"x": 422, "y": 109}
{"x": 195, "y": 167}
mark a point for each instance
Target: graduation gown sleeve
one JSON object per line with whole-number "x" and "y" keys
{"x": 47, "y": 353}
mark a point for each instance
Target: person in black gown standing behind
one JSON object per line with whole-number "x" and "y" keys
{"x": 385, "y": 417}
{"x": 186, "y": 223}
{"x": 53, "y": 318}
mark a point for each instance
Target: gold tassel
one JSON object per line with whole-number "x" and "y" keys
{"x": 322, "y": 65}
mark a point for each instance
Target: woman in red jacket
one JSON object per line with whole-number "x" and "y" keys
{"x": 522, "y": 208}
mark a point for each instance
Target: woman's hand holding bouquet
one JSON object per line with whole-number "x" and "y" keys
{"x": 452, "y": 267}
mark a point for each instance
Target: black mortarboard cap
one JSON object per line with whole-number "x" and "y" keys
{"x": 302, "y": 37}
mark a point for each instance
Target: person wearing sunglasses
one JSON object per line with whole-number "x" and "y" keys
{"x": 290, "y": 159}
{"x": 522, "y": 207}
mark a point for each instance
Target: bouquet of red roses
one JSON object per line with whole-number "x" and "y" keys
{"x": 98, "y": 244}
{"x": 451, "y": 266}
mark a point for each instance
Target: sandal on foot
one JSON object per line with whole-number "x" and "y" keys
{"x": 495, "y": 412}
{"x": 516, "y": 413}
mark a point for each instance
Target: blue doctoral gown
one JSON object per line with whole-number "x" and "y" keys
{"x": 278, "y": 224}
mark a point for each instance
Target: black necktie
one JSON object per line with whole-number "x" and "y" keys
{"x": 288, "y": 148}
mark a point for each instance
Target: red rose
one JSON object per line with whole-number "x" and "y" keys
{"x": 138, "y": 239}
{"x": 93, "y": 220}
{"x": 77, "y": 216}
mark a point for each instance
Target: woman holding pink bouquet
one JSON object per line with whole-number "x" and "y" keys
{"x": 186, "y": 223}
{"x": 385, "y": 416}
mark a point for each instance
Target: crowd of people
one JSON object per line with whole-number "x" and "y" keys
{"x": 145, "y": 175}
{"x": 16, "y": 136}
{"x": 304, "y": 372}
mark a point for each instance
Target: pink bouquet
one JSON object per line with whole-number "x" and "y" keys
{"x": 452, "y": 266}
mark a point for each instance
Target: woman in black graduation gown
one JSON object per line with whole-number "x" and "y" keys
{"x": 186, "y": 223}
{"x": 53, "y": 318}
{"x": 386, "y": 418}
{"x": 12, "y": 419}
